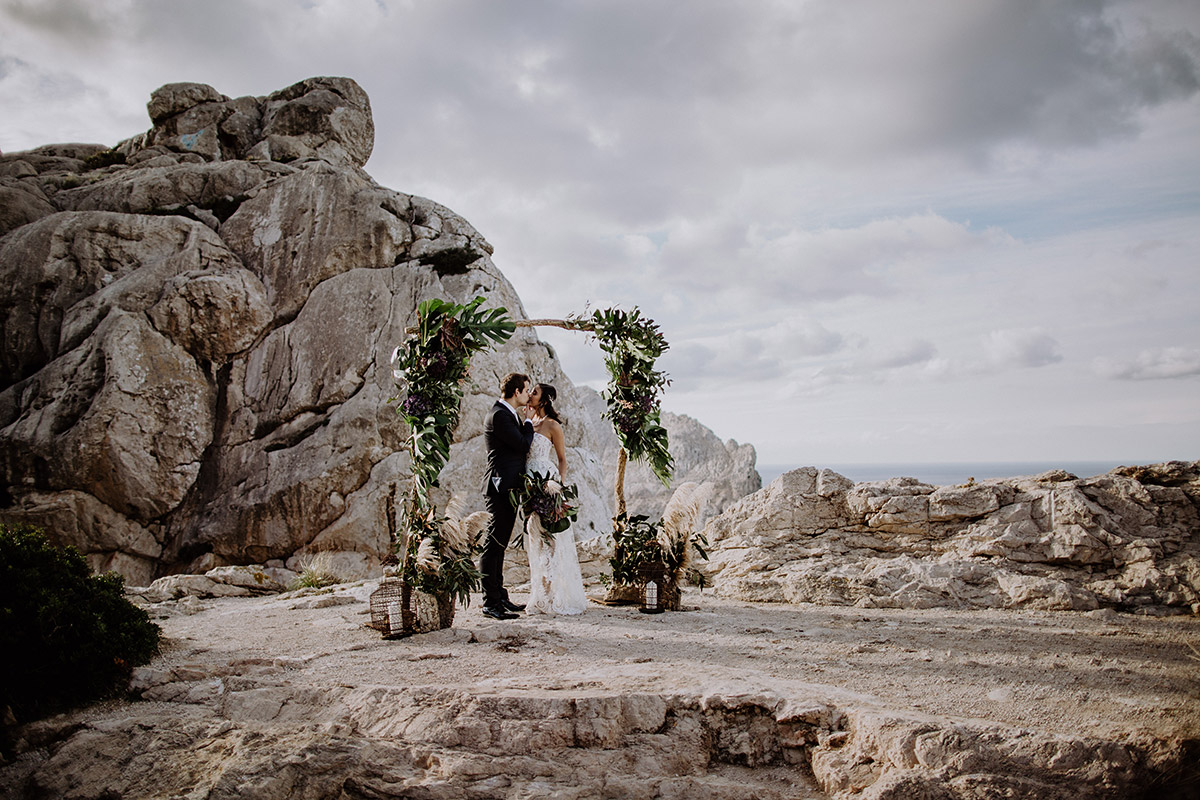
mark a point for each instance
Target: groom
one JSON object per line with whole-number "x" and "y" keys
{"x": 508, "y": 438}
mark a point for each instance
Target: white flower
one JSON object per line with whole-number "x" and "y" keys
{"x": 395, "y": 356}
{"x": 553, "y": 487}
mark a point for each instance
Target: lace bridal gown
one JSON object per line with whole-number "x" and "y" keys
{"x": 555, "y": 582}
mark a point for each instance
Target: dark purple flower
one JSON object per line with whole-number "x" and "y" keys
{"x": 417, "y": 406}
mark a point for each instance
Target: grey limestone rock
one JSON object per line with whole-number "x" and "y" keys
{"x": 197, "y": 327}
{"x": 1129, "y": 539}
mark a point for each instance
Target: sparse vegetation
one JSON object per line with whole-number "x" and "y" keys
{"x": 316, "y": 572}
{"x": 105, "y": 158}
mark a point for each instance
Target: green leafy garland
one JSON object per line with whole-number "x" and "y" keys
{"x": 433, "y": 364}
{"x": 430, "y": 368}
{"x": 631, "y": 345}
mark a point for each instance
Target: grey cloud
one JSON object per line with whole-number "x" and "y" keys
{"x": 80, "y": 21}
{"x": 796, "y": 266}
{"x": 1031, "y": 347}
{"x": 1151, "y": 365}
{"x": 738, "y": 358}
{"x": 806, "y": 337}
{"x": 918, "y": 353}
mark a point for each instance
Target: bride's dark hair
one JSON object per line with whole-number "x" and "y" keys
{"x": 549, "y": 395}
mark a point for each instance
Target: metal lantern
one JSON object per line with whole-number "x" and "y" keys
{"x": 390, "y": 609}
{"x": 653, "y": 576}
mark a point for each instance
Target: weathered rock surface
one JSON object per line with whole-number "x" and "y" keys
{"x": 1129, "y": 539}
{"x": 290, "y": 696}
{"x": 196, "y": 332}
{"x": 700, "y": 457}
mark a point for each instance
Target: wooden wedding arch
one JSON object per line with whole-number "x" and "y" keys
{"x": 436, "y": 549}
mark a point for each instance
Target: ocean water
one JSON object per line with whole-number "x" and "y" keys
{"x": 947, "y": 474}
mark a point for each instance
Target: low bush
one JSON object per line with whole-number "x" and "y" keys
{"x": 67, "y": 637}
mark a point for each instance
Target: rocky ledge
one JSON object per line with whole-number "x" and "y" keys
{"x": 291, "y": 696}
{"x": 1129, "y": 539}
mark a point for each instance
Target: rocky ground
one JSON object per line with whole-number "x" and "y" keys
{"x": 292, "y": 695}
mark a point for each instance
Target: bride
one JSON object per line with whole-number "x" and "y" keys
{"x": 555, "y": 582}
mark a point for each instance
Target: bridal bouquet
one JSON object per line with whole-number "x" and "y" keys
{"x": 549, "y": 499}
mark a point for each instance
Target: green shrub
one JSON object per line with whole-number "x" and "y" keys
{"x": 67, "y": 637}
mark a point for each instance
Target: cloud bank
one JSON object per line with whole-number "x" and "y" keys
{"x": 870, "y": 231}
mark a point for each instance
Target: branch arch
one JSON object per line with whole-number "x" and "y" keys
{"x": 430, "y": 367}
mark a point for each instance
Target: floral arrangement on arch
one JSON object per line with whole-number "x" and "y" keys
{"x": 429, "y": 368}
{"x": 673, "y": 539}
{"x": 631, "y": 345}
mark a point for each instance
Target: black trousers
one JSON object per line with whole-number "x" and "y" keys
{"x": 491, "y": 563}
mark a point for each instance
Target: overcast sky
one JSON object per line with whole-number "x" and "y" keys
{"x": 875, "y": 231}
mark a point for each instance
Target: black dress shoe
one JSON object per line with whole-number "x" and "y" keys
{"x": 497, "y": 613}
{"x": 509, "y": 605}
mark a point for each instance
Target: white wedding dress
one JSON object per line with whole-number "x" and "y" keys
{"x": 555, "y": 582}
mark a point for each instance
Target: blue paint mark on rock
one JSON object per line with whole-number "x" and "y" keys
{"x": 189, "y": 140}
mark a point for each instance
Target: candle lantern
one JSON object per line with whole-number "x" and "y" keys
{"x": 391, "y": 612}
{"x": 653, "y": 575}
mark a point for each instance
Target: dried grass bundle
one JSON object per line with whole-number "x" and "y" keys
{"x": 681, "y": 519}
{"x": 461, "y": 534}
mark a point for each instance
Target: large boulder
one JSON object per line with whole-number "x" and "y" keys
{"x": 197, "y": 327}
{"x": 1129, "y": 539}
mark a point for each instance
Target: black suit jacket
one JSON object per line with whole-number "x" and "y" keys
{"x": 508, "y": 444}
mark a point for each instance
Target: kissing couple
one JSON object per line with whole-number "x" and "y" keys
{"x": 524, "y": 434}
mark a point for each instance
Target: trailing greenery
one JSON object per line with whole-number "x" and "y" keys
{"x": 635, "y": 542}
{"x": 430, "y": 368}
{"x": 432, "y": 364}
{"x": 631, "y": 345}
{"x": 67, "y": 637}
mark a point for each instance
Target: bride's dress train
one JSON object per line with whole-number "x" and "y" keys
{"x": 555, "y": 582}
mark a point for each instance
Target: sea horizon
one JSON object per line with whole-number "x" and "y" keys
{"x": 947, "y": 473}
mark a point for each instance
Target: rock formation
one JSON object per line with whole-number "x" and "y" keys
{"x": 700, "y": 457}
{"x": 1129, "y": 539}
{"x": 197, "y": 325}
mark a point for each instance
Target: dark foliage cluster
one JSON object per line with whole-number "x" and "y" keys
{"x": 550, "y": 499}
{"x": 67, "y": 637}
